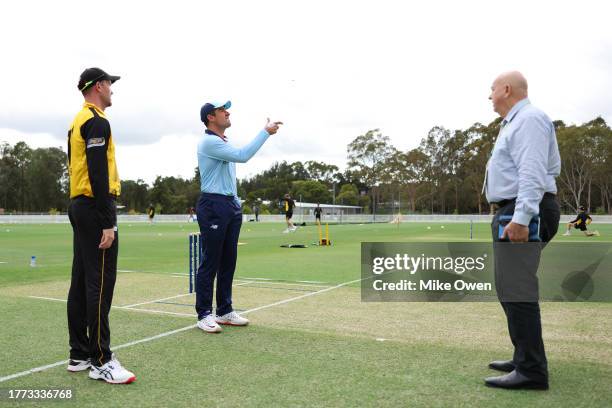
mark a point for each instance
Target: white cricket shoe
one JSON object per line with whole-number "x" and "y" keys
{"x": 232, "y": 319}
{"x": 112, "y": 372}
{"x": 294, "y": 229}
{"x": 567, "y": 234}
{"x": 209, "y": 325}
{"x": 75, "y": 366}
{"x": 286, "y": 231}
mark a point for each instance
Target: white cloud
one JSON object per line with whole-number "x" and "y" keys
{"x": 172, "y": 155}
{"x": 34, "y": 140}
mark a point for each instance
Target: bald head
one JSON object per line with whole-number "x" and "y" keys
{"x": 515, "y": 80}
{"x": 508, "y": 89}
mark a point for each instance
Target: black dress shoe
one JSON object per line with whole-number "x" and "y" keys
{"x": 506, "y": 366}
{"x": 515, "y": 381}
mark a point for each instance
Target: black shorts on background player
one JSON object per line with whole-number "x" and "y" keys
{"x": 289, "y": 204}
{"x": 581, "y": 221}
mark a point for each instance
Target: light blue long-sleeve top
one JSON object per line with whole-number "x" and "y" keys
{"x": 524, "y": 162}
{"x": 217, "y": 162}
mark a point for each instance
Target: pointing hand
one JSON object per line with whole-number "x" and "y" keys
{"x": 272, "y": 127}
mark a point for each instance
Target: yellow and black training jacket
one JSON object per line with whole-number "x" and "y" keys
{"x": 91, "y": 162}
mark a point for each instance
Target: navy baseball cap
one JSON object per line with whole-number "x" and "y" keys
{"x": 90, "y": 76}
{"x": 209, "y": 107}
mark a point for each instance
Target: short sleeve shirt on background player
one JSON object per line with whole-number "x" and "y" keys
{"x": 581, "y": 221}
{"x": 91, "y": 161}
{"x": 317, "y": 212}
{"x": 289, "y": 204}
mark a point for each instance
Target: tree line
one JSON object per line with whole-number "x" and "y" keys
{"x": 444, "y": 175}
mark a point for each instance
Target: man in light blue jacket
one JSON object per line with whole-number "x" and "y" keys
{"x": 219, "y": 214}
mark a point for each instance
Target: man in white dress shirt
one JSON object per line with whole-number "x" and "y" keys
{"x": 520, "y": 182}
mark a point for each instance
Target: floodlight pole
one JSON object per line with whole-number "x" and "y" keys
{"x": 399, "y": 201}
{"x": 333, "y": 190}
{"x": 334, "y": 193}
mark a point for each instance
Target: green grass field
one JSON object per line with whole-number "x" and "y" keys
{"x": 311, "y": 341}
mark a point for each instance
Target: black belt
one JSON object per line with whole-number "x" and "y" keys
{"x": 503, "y": 203}
{"x": 86, "y": 198}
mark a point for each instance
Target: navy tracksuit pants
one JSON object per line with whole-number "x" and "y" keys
{"x": 220, "y": 219}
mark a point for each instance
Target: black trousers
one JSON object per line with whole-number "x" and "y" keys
{"x": 516, "y": 283}
{"x": 94, "y": 272}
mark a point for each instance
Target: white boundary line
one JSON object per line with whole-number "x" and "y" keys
{"x": 253, "y": 280}
{"x": 48, "y": 298}
{"x": 32, "y": 371}
{"x": 169, "y": 333}
{"x": 136, "y": 304}
{"x": 158, "y": 336}
{"x": 123, "y": 308}
{"x": 157, "y": 312}
{"x": 148, "y": 272}
{"x": 266, "y": 281}
{"x": 59, "y": 363}
{"x": 269, "y": 279}
{"x": 284, "y": 283}
{"x": 302, "y": 296}
{"x": 156, "y": 300}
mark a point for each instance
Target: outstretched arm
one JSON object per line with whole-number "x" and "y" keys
{"x": 221, "y": 150}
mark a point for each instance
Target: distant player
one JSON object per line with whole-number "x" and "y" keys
{"x": 192, "y": 215}
{"x": 582, "y": 220}
{"x": 289, "y": 204}
{"x": 256, "y": 211}
{"x": 317, "y": 213}
{"x": 151, "y": 213}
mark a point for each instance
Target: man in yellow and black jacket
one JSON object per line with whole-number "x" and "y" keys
{"x": 94, "y": 187}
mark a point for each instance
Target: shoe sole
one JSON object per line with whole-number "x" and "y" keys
{"x": 78, "y": 370}
{"x": 211, "y": 331}
{"x": 128, "y": 381}
{"x": 538, "y": 387}
{"x": 232, "y": 324}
